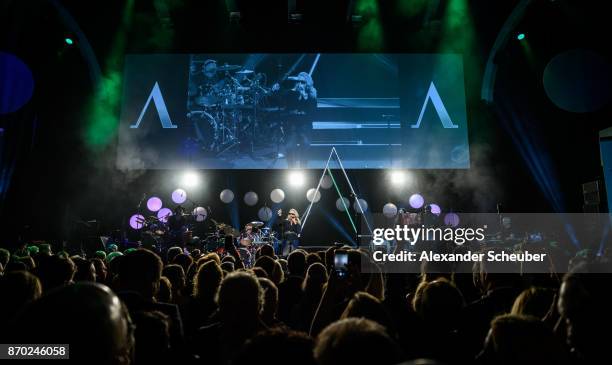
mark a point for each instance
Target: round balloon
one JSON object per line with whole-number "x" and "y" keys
{"x": 163, "y": 214}
{"x": 327, "y": 182}
{"x": 277, "y": 195}
{"x": 251, "y": 198}
{"x": 435, "y": 209}
{"x": 200, "y": 214}
{"x": 363, "y": 204}
{"x": 137, "y": 221}
{"x": 389, "y": 210}
{"x": 416, "y": 201}
{"x": 154, "y": 204}
{"x": 226, "y": 196}
{"x": 313, "y": 195}
{"x": 451, "y": 219}
{"x": 264, "y": 214}
{"x": 179, "y": 196}
{"x": 341, "y": 206}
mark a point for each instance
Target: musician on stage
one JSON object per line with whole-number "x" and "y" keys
{"x": 204, "y": 84}
{"x": 177, "y": 225}
{"x": 247, "y": 236}
{"x": 300, "y": 103}
{"x": 290, "y": 229}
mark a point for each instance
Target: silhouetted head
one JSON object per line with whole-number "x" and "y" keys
{"x": 584, "y": 304}
{"x": 54, "y": 271}
{"x": 438, "y": 303}
{"x": 277, "y": 346}
{"x": 176, "y": 275}
{"x": 296, "y": 263}
{"x": 140, "y": 271}
{"x": 87, "y": 316}
{"x": 364, "y": 305}
{"x": 356, "y": 341}
{"x": 17, "y": 288}
{"x": 207, "y": 281}
{"x": 516, "y": 339}
{"x": 240, "y": 296}
{"x": 85, "y": 270}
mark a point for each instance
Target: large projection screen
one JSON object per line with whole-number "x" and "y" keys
{"x": 277, "y": 111}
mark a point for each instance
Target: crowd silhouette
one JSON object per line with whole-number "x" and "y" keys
{"x": 179, "y": 306}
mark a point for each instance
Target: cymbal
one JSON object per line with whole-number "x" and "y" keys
{"x": 256, "y": 224}
{"x": 229, "y": 68}
{"x": 245, "y": 72}
{"x": 228, "y": 230}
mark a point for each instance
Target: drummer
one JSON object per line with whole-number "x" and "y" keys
{"x": 248, "y": 235}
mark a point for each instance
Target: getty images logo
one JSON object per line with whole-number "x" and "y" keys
{"x": 164, "y": 116}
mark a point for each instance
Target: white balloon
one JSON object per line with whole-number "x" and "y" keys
{"x": 265, "y": 214}
{"x": 227, "y": 196}
{"x": 200, "y": 214}
{"x": 389, "y": 210}
{"x": 341, "y": 206}
{"x": 326, "y": 183}
{"x": 313, "y": 195}
{"x": 277, "y": 195}
{"x": 364, "y": 206}
{"x": 251, "y": 198}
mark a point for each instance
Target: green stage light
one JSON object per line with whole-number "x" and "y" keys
{"x": 520, "y": 36}
{"x": 69, "y": 41}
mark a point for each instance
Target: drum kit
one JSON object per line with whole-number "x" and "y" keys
{"x": 224, "y": 113}
{"x": 157, "y": 232}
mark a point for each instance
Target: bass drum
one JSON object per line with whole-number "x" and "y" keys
{"x": 205, "y": 128}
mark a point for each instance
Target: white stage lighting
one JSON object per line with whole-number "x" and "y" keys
{"x": 398, "y": 178}
{"x": 296, "y": 178}
{"x": 190, "y": 179}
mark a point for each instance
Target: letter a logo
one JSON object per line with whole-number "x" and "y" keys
{"x": 432, "y": 94}
{"x": 160, "y": 106}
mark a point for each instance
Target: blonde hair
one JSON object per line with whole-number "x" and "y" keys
{"x": 297, "y": 215}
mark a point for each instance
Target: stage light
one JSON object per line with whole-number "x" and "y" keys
{"x": 360, "y": 207}
{"x": 277, "y": 195}
{"x": 154, "y": 204}
{"x": 251, "y": 198}
{"x": 435, "y": 209}
{"x": 200, "y": 214}
{"x": 137, "y": 221}
{"x": 416, "y": 201}
{"x": 451, "y": 219}
{"x": 296, "y": 178}
{"x": 190, "y": 179}
{"x": 226, "y": 196}
{"x": 313, "y": 196}
{"x": 389, "y": 210}
{"x": 179, "y": 196}
{"x": 69, "y": 41}
{"x": 264, "y": 214}
{"x": 163, "y": 214}
{"x": 397, "y": 178}
{"x": 520, "y": 36}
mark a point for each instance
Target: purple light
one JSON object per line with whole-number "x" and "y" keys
{"x": 137, "y": 221}
{"x": 179, "y": 196}
{"x": 154, "y": 204}
{"x": 451, "y": 219}
{"x": 416, "y": 201}
{"x": 435, "y": 209}
{"x": 163, "y": 214}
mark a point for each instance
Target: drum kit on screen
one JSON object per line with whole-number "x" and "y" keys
{"x": 225, "y": 112}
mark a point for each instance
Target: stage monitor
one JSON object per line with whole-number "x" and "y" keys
{"x": 277, "y": 111}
